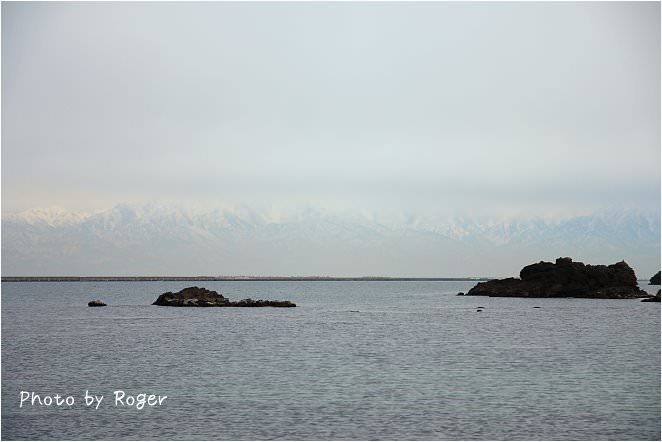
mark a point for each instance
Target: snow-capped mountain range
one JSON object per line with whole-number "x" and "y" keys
{"x": 242, "y": 240}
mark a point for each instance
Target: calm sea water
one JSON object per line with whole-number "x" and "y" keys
{"x": 355, "y": 360}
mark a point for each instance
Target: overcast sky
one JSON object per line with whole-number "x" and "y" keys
{"x": 500, "y": 105}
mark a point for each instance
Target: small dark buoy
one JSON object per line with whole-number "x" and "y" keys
{"x": 96, "y": 303}
{"x": 480, "y": 306}
{"x": 460, "y": 294}
{"x": 536, "y": 307}
{"x": 479, "y": 310}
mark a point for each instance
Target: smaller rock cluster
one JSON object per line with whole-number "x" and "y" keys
{"x": 201, "y": 297}
{"x": 655, "y": 298}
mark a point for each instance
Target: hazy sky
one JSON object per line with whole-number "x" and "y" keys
{"x": 466, "y": 105}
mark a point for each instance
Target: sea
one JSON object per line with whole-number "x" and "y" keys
{"x": 355, "y": 360}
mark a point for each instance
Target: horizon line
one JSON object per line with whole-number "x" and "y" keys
{"x": 234, "y": 278}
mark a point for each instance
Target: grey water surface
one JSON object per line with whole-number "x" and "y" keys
{"x": 354, "y": 360}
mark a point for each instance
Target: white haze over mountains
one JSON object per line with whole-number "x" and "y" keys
{"x": 151, "y": 239}
{"x": 392, "y": 138}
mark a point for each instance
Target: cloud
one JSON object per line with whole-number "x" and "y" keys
{"x": 509, "y": 105}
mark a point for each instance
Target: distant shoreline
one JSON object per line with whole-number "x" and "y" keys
{"x": 221, "y": 278}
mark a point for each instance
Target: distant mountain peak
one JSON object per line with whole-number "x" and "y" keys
{"x": 160, "y": 239}
{"x": 52, "y": 216}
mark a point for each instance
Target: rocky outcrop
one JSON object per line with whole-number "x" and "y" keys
{"x": 565, "y": 279}
{"x": 96, "y": 303}
{"x": 201, "y": 297}
{"x": 655, "y": 298}
{"x": 655, "y": 280}
{"x": 248, "y": 302}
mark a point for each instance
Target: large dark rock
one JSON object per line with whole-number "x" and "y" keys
{"x": 565, "y": 279}
{"x": 655, "y": 280}
{"x": 655, "y": 298}
{"x": 201, "y": 297}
